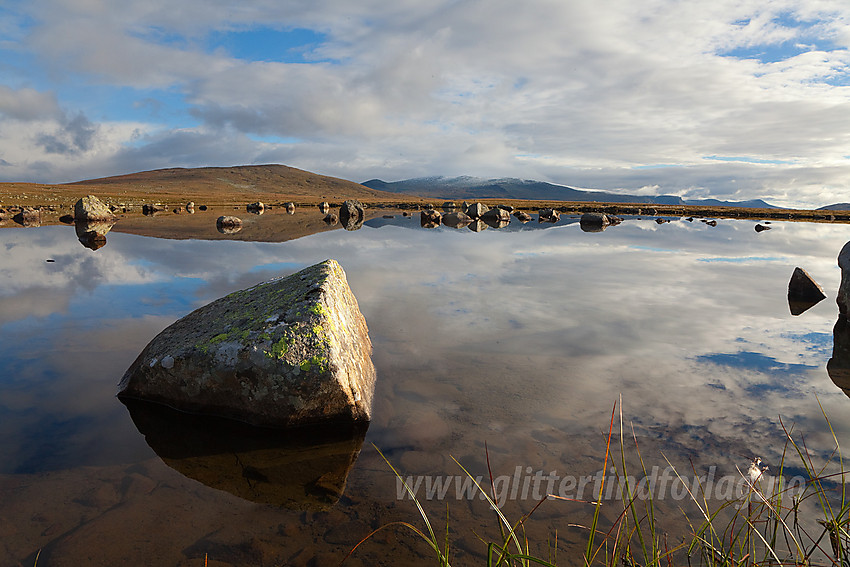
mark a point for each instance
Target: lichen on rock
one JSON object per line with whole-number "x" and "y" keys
{"x": 291, "y": 351}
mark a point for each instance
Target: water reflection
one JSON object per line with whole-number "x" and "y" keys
{"x": 302, "y": 469}
{"x": 92, "y": 234}
{"x": 521, "y": 338}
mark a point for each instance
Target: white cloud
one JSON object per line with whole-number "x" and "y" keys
{"x": 546, "y": 89}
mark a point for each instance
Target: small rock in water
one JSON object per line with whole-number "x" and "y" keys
{"x": 803, "y": 292}
{"x": 761, "y": 228}
{"x": 429, "y": 218}
{"x": 456, "y": 219}
{"x": 228, "y": 224}
{"x": 548, "y": 215}
{"x": 352, "y": 214}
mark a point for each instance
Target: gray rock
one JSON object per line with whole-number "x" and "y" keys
{"x": 496, "y": 214}
{"x": 429, "y": 218}
{"x": 456, "y": 220}
{"x": 90, "y": 208}
{"x": 352, "y": 214}
{"x": 291, "y": 351}
{"x": 496, "y": 218}
{"x": 475, "y": 210}
{"x": 331, "y": 219}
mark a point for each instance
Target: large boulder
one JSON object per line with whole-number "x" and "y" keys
{"x": 90, "y": 208}
{"x": 844, "y": 287}
{"x": 352, "y": 214}
{"x": 291, "y": 351}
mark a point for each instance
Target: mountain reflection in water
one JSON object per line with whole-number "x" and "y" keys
{"x": 521, "y": 338}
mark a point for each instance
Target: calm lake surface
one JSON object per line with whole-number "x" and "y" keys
{"x": 522, "y": 338}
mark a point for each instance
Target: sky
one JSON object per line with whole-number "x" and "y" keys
{"x": 730, "y": 99}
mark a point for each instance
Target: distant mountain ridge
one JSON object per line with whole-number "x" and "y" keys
{"x": 465, "y": 187}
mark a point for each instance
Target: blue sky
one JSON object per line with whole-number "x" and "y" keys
{"x": 727, "y": 99}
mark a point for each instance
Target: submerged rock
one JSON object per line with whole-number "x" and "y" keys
{"x": 90, "y": 208}
{"x": 291, "y": 351}
{"x": 522, "y": 216}
{"x": 803, "y": 292}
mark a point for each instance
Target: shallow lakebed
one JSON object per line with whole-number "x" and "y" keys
{"x": 522, "y": 338}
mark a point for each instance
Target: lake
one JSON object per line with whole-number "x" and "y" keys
{"x": 512, "y": 345}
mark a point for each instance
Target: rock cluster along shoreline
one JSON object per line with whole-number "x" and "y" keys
{"x": 132, "y": 205}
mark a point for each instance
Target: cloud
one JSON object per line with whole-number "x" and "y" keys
{"x": 27, "y": 104}
{"x": 553, "y": 90}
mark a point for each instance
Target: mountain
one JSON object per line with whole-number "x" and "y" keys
{"x": 836, "y": 207}
{"x": 510, "y": 188}
{"x": 244, "y": 181}
{"x": 751, "y": 204}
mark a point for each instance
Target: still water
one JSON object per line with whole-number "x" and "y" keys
{"x": 521, "y": 338}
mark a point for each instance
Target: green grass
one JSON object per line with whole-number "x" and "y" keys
{"x": 768, "y": 525}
